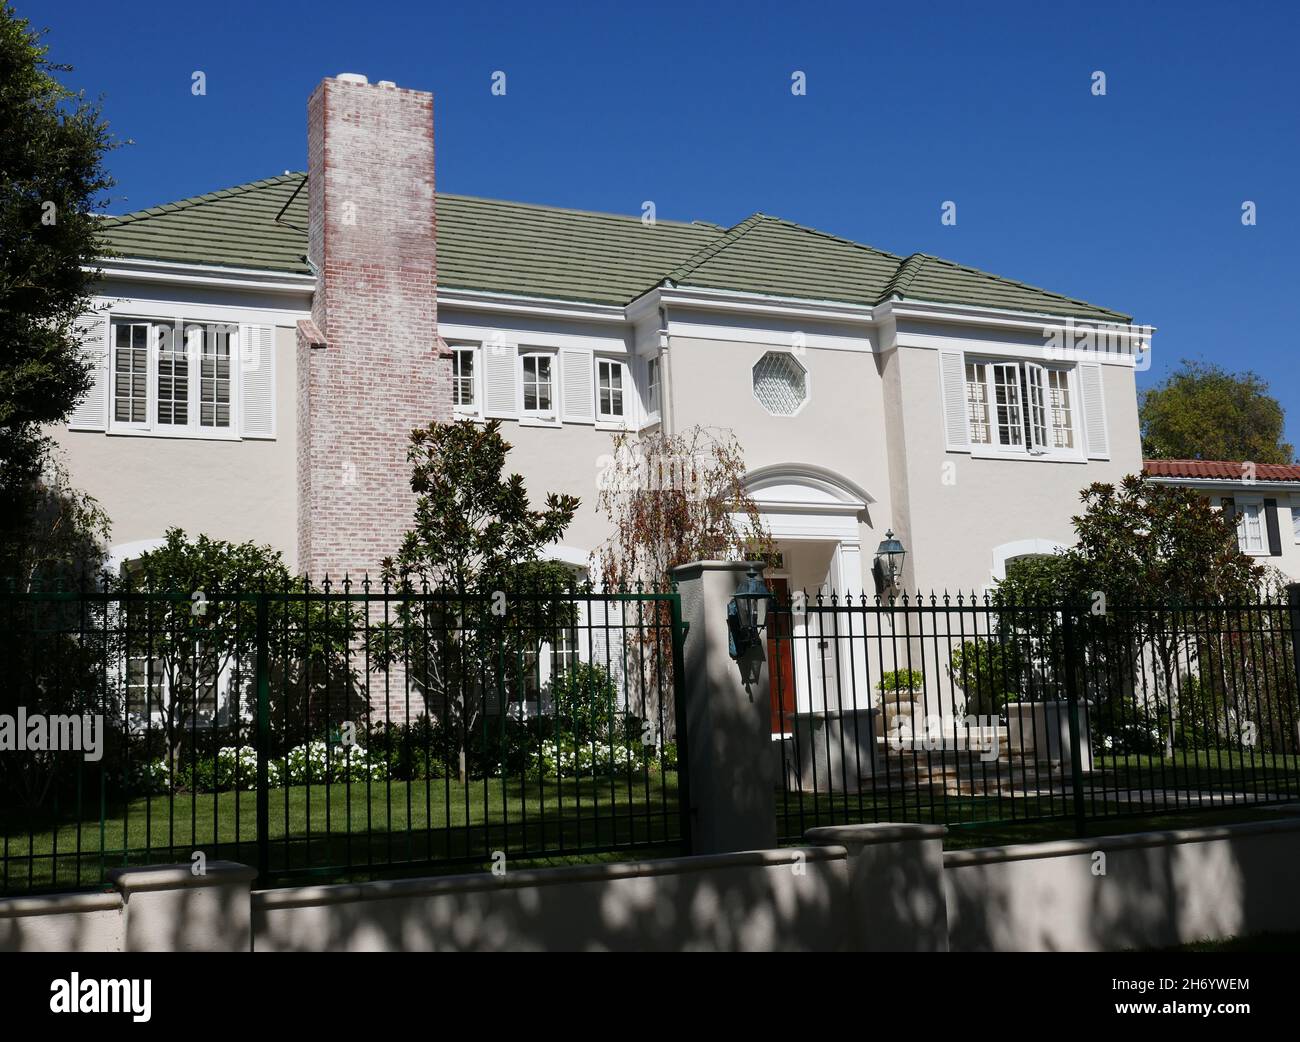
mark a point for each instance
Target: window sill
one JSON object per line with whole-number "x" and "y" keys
{"x": 187, "y": 435}
{"x": 539, "y": 421}
{"x": 613, "y": 425}
{"x": 1045, "y": 457}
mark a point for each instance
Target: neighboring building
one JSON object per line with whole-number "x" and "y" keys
{"x": 263, "y": 351}
{"x": 1265, "y": 498}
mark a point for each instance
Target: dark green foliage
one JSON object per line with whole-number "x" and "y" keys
{"x": 205, "y": 627}
{"x": 53, "y": 142}
{"x": 476, "y": 537}
{"x": 988, "y": 672}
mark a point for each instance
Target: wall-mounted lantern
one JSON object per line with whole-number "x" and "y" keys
{"x": 747, "y": 613}
{"x": 889, "y": 559}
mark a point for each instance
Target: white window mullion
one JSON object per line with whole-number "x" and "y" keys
{"x": 1008, "y": 404}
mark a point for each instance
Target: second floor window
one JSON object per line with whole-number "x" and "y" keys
{"x": 175, "y": 377}
{"x": 462, "y": 379}
{"x": 131, "y": 372}
{"x": 609, "y": 389}
{"x": 652, "y": 385}
{"x": 1020, "y": 407}
{"x": 538, "y": 383}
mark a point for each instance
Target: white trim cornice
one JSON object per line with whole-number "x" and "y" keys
{"x": 968, "y": 314}
{"x": 760, "y": 304}
{"x": 130, "y": 269}
{"x": 479, "y": 300}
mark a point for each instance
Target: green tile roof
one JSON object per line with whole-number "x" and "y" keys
{"x": 543, "y": 251}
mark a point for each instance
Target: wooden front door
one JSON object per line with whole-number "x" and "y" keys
{"x": 780, "y": 659}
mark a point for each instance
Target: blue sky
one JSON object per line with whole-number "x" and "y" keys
{"x": 1132, "y": 200}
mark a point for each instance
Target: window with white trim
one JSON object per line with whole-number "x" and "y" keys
{"x": 173, "y": 377}
{"x": 464, "y": 378}
{"x": 1251, "y": 535}
{"x": 1295, "y": 518}
{"x": 1021, "y": 407}
{"x": 131, "y": 372}
{"x": 538, "y": 370}
{"x": 216, "y": 375}
{"x": 611, "y": 380}
{"x": 652, "y": 385}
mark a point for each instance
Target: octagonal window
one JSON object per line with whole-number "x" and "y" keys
{"x": 780, "y": 383}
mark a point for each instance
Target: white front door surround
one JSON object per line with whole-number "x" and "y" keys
{"x": 807, "y": 505}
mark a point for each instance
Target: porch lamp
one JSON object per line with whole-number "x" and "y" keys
{"x": 747, "y": 613}
{"x": 889, "y": 558}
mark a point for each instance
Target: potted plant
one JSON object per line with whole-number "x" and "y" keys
{"x": 900, "y": 691}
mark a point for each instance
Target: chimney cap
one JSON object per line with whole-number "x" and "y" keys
{"x": 351, "y": 77}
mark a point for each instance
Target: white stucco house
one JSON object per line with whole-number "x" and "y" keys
{"x": 262, "y": 351}
{"x": 1265, "y": 498}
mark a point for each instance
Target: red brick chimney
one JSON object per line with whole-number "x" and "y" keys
{"x": 369, "y": 365}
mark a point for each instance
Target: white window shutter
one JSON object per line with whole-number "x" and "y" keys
{"x": 257, "y": 381}
{"x": 500, "y": 381}
{"x": 952, "y": 379}
{"x": 91, "y": 413}
{"x": 1094, "y": 412}
{"x": 577, "y": 384}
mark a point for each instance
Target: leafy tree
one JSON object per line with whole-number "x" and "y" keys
{"x": 1153, "y": 569}
{"x": 476, "y": 542}
{"x": 195, "y": 628}
{"x": 64, "y": 539}
{"x": 53, "y": 142}
{"x": 1205, "y": 412}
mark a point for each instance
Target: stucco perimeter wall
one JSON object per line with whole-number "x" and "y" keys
{"x": 63, "y": 923}
{"x": 855, "y": 888}
{"x": 1158, "y": 889}
{"x": 233, "y": 490}
{"x": 771, "y": 900}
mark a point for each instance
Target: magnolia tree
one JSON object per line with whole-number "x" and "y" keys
{"x": 1155, "y": 576}
{"x": 672, "y": 499}
{"x": 475, "y": 547}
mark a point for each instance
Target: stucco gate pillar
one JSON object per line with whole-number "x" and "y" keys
{"x": 728, "y": 718}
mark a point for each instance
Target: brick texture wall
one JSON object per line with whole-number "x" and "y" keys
{"x": 371, "y": 369}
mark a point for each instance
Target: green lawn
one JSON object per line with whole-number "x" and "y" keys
{"x": 1124, "y": 794}
{"x": 325, "y": 829}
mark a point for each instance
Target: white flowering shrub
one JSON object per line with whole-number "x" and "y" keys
{"x": 316, "y": 762}
{"x": 562, "y": 759}
{"x": 240, "y": 765}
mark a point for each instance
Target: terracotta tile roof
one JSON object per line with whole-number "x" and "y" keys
{"x": 1222, "y": 469}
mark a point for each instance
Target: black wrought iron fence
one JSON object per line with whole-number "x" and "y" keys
{"x": 963, "y": 711}
{"x": 334, "y": 729}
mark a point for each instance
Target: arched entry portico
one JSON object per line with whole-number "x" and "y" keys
{"x": 815, "y": 516}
